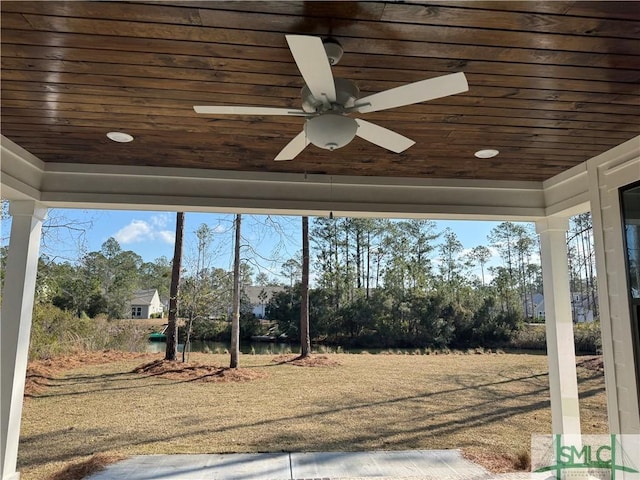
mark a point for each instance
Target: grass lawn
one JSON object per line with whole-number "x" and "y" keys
{"x": 488, "y": 405}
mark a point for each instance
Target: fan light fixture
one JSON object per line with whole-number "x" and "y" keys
{"x": 488, "y": 153}
{"x": 327, "y": 102}
{"x": 330, "y": 131}
{"x": 120, "y": 137}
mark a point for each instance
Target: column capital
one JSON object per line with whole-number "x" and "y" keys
{"x": 27, "y": 208}
{"x": 552, "y": 224}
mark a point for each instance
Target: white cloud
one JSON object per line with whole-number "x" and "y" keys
{"x": 167, "y": 236}
{"x": 136, "y": 231}
{"x": 140, "y": 231}
{"x": 161, "y": 220}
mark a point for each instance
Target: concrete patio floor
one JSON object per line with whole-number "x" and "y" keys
{"x": 405, "y": 465}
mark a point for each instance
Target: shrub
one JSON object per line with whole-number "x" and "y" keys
{"x": 430, "y": 318}
{"x": 250, "y": 325}
{"x": 57, "y": 332}
{"x": 588, "y": 337}
{"x": 531, "y": 337}
{"x": 116, "y": 335}
{"x": 209, "y": 329}
{"x": 492, "y": 326}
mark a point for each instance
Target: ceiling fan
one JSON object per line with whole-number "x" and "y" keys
{"x": 327, "y": 102}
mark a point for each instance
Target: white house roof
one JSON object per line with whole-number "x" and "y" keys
{"x": 143, "y": 297}
{"x": 253, "y": 292}
{"x": 537, "y": 298}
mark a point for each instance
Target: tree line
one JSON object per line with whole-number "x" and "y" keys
{"x": 374, "y": 282}
{"x": 383, "y": 283}
{"x": 402, "y": 283}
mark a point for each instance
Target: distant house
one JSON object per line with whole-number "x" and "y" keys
{"x": 146, "y": 304}
{"x": 581, "y": 307}
{"x": 534, "y": 306}
{"x": 259, "y": 297}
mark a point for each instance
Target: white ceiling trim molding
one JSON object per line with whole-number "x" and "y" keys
{"x": 294, "y": 196}
{"x": 568, "y": 193}
{"x": 169, "y": 172}
{"x": 21, "y": 172}
{"x": 161, "y": 188}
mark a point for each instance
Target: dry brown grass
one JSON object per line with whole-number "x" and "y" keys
{"x": 488, "y": 405}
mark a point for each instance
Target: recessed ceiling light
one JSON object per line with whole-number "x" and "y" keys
{"x": 120, "y": 137}
{"x": 488, "y": 153}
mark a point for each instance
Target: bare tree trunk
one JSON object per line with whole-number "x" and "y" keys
{"x": 358, "y": 258}
{"x": 378, "y": 258}
{"x": 530, "y": 286}
{"x": 172, "y": 327}
{"x": 586, "y": 253}
{"x": 337, "y": 266}
{"x": 584, "y": 285}
{"x": 592, "y": 285}
{"x": 305, "y": 341}
{"x": 235, "y": 319}
{"x": 368, "y": 260}
{"x": 347, "y": 277}
{"x": 186, "y": 350}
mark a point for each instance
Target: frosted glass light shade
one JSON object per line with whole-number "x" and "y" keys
{"x": 330, "y": 131}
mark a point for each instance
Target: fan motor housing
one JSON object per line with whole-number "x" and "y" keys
{"x": 347, "y": 93}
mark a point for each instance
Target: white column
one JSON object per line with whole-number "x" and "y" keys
{"x": 15, "y": 323}
{"x": 563, "y": 380}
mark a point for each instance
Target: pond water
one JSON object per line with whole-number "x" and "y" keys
{"x": 258, "y": 348}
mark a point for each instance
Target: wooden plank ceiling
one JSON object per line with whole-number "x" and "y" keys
{"x": 552, "y": 84}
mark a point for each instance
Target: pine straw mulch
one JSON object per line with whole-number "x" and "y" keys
{"x": 41, "y": 372}
{"x": 84, "y": 468}
{"x": 194, "y": 371}
{"x": 595, "y": 364}
{"x": 310, "y": 361}
{"x": 499, "y": 462}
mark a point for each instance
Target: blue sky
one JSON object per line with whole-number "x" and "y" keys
{"x": 151, "y": 235}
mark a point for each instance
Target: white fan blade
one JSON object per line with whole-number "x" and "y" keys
{"x": 382, "y": 137}
{"x": 416, "y": 92}
{"x": 235, "y": 110}
{"x": 312, "y": 61}
{"x": 293, "y": 148}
